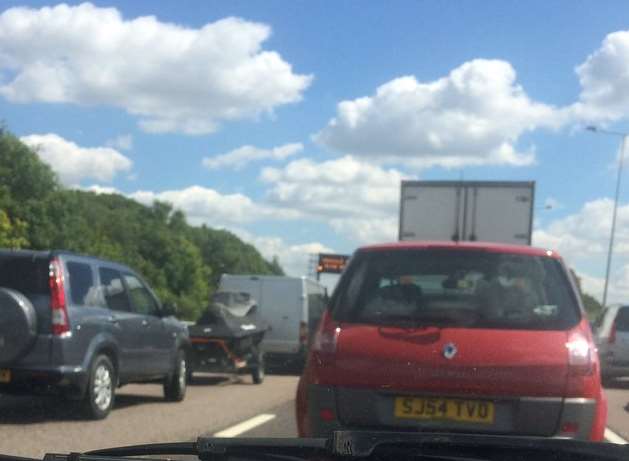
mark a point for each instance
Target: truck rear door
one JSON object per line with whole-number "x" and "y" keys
{"x": 429, "y": 212}
{"x": 282, "y": 306}
{"x": 497, "y": 213}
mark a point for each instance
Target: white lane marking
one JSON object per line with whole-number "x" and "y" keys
{"x": 245, "y": 426}
{"x": 612, "y": 437}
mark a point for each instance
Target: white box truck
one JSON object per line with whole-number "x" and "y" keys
{"x": 490, "y": 211}
{"x": 291, "y": 305}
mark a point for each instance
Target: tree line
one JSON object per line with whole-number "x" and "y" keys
{"x": 183, "y": 263}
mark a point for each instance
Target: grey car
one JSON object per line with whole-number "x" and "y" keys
{"x": 80, "y": 327}
{"x": 612, "y": 340}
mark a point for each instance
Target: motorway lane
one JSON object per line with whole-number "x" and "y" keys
{"x": 30, "y": 427}
{"x": 283, "y": 425}
{"x": 618, "y": 407}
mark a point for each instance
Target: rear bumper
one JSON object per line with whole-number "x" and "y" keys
{"x": 330, "y": 409}
{"x": 611, "y": 369}
{"x": 613, "y": 364}
{"x": 67, "y": 380}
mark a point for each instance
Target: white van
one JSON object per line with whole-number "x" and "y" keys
{"x": 291, "y": 305}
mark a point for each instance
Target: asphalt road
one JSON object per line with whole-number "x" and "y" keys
{"x": 31, "y": 427}
{"x": 618, "y": 408}
{"x": 214, "y": 406}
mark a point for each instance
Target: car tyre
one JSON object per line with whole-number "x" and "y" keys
{"x": 258, "y": 369}
{"x": 101, "y": 388}
{"x": 175, "y": 385}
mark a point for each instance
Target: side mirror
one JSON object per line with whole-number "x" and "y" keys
{"x": 169, "y": 309}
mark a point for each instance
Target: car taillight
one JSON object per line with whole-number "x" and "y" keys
{"x": 303, "y": 333}
{"x": 59, "y": 312}
{"x": 325, "y": 338}
{"x": 579, "y": 354}
{"x": 583, "y": 377}
{"x": 612, "y": 334}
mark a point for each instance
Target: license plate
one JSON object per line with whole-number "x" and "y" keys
{"x": 5, "y": 376}
{"x": 467, "y": 411}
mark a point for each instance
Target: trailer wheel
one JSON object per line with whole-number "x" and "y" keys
{"x": 257, "y": 368}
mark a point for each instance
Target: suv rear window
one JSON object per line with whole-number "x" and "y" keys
{"x": 622, "y": 319}
{"x": 464, "y": 288}
{"x": 25, "y": 274}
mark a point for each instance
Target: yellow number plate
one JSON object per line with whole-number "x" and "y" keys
{"x": 467, "y": 411}
{"x": 5, "y": 376}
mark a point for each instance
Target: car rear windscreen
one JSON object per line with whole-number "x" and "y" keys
{"x": 25, "y": 274}
{"x": 456, "y": 288}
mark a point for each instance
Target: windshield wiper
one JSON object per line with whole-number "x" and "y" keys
{"x": 371, "y": 444}
{"x": 368, "y": 445}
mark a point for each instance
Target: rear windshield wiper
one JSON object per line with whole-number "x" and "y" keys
{"x": 368, "y": 445}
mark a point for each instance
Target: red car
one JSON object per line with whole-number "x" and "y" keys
{"x": 461, "y": 337}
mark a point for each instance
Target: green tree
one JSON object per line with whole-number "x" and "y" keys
{"x": 22, "y": 175}
{"x": 182, "y": 263}
{"x": 12, "y": 234}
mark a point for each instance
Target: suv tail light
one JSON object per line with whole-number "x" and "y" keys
{"x": 303, "y": 333}
{"x": 326, "y": 337}
{"x": 60, "y": 323}
{"x": 612, "y": 334}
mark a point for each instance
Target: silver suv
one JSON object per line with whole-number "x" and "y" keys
{"x": 612, "y": 340}
{"x": 79, "y": 326}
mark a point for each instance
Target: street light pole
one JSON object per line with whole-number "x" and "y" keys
{"x": 614, "y": 215}
{"x": 621, "y": 158}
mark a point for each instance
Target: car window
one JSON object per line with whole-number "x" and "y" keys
{"x": 83, "y": 290}
{"x": 142, "y": 301}
{"x": 622, "y": 319}
{"x": 458, "y": 288}
{"x": 26, "y": 275}
{"x": 113, "y": 290}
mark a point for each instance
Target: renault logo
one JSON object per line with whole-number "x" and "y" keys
{"x": 449, "y": 351}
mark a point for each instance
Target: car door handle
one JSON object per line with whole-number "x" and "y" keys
{"x": 113, "y": 320}
{"x": 145, "y": 323}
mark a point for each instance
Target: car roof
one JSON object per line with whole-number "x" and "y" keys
{"x": 480, "y": 246}
{"x": 63, "y": 253}
{"x": 26, "y": 253}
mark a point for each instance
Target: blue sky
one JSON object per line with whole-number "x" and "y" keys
{"x": 491, "y": 91}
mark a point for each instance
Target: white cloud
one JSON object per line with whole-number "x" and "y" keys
{"x": 585, "y": 234}
{"x": 97, "y": 189}
{"x": 204, "y": 205}
{"x": 368, "y": 230}
{"x": 238, "y": 158}
{"x": 604, "y": 78}
{"x": 582, "y": 239}
{"x": 473, "y": 116}
{"x": 175, "y": 79}
{"x": 294, "y": 259}
{"x": 122, "y": 142}
{"x": 74, "y": 163}
{"x": 618, "y": 290}
{"x": 357, "y": 199}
